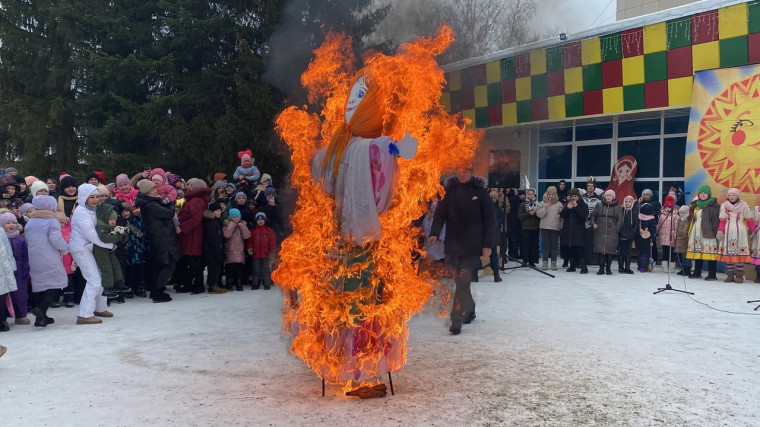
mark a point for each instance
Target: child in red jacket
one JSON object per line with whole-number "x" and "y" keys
{"x": 261, "y": 247}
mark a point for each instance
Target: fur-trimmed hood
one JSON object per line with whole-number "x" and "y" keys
{"x": 476, "y": 181}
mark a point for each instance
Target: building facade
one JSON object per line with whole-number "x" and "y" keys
{"x": 569, "y": 109}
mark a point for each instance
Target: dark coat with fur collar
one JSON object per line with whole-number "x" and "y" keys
{"x": 468, "y": 213}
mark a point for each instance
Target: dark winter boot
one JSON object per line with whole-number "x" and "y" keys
{"x": 628, "y": 265}
{"x": 40, "y": 318}
{"x": 564, "y": 262}
{"x": 685, "y": 271}
{"x": 621, "y": 264}
{"x": 608, "y": 264}
{"x": 571, "y": 268}
{"x": 600, "y": 263}
{"x": 496, "y": 277}
{"x": 584, "y": 270}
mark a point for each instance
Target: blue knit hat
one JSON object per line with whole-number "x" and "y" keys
{"x": 234, "y": 213}
{"x": 261, "y": 215}
{"x": 240, "y": 193}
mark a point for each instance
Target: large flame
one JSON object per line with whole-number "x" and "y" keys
{"x": 343, "y": 332}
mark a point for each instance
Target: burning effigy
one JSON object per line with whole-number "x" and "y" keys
{"x": 365, "y": 167}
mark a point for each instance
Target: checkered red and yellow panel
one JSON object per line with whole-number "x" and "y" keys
{"x": 635, "y": 69}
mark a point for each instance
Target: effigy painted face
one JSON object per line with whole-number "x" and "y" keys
{"x": 355, "y": 97}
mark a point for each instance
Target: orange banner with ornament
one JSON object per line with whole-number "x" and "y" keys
{"x": 723, "y": 140}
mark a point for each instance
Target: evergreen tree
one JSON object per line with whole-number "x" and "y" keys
{"x": 176, "y": 84}
{"x": 37, "y": 121}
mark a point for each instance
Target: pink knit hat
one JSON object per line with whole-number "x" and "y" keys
{"x": 122, "y": 179}
{"x": 7, "y": 218}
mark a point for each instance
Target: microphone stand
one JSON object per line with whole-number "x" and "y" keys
{"x": 670, "y": 238}
{"x": 522, "y": 264}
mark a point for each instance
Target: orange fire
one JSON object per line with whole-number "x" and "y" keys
{"x": 345, "y": 332}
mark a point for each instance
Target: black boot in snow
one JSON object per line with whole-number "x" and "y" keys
{"x": 608, "y": 264}
{"x": 584, "y": 269}
{"x": 40, "y": 319}
{"x": 628, "y": 265}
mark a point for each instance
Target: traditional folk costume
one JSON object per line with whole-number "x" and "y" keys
{"x": 703, "y": 242}
{"x": 736, "y": 224}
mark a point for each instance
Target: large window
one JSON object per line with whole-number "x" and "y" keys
{"x": 594, "y": 160}
{"x": 574, "y": 150}
{"x": 555, "y": 161}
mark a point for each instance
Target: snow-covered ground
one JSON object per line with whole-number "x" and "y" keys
{"x": 574, "y": 350}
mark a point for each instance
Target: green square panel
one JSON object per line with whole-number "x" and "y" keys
{"x": 574, "y": 104}
{"x": 633, "y": 97}
{"x": 507, "y": 66}
{"x": 538, "y": 86}
{"x": 481, "y": 117}
{"x": 678, "y": 32}
{"x": 610, "y": 45}
{"x": 494, "y": 94}
{"x": 733, "y": 51}
{"x": 753, "y": 15}
{"x": 655, "y": 66}
{"x": 524, "y": 111}
{"x": 455, "y": 101}
{"x": 554, "y": 59}
{"x": 592, "y": 77}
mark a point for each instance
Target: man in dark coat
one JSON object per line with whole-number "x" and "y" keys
{"x": 513, "y": 224}
{"x": 573, "y": 231}
{"x": 470, "y": 220}
{"x": 213, "y": 253}
{"x": 197, "y": 197}
{"x": 160, "y": 231}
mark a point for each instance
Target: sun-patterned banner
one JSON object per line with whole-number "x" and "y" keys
{"x": 723, "y": 141}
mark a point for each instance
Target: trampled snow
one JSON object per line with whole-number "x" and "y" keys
{"x": 573, "y": 350}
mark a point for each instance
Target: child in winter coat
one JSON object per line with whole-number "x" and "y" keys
{"x": 645, "y": 236}
{"x": 7, "y": 278}
{"x": 261, "y": 247}
{"x": 240, "y": 202}
{"x": 110, "y": 269}
{"x": 73, "y": 278}
{"x": 135, "y": 251}
{"x": 45, "y": 243}
{"x": 167, "y": 192}
{"x": 213, "y": 252}
{"x": 666, "y": 225}
{"x": 736, "y": 225}
{"x": 124, "y": 190}
{"x": 20, "y": 296}
{"x": 682, "y": 240}
{"x": 274, "y": 215}
{"x": 235, "y": 234}
{"x": 627, "y": 234}
{"x": 247, "y": 171}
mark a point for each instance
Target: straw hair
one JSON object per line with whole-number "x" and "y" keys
{"x": 367, "y": 122}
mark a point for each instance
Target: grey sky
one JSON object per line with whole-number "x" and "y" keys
{"x": 574, "y": 16}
